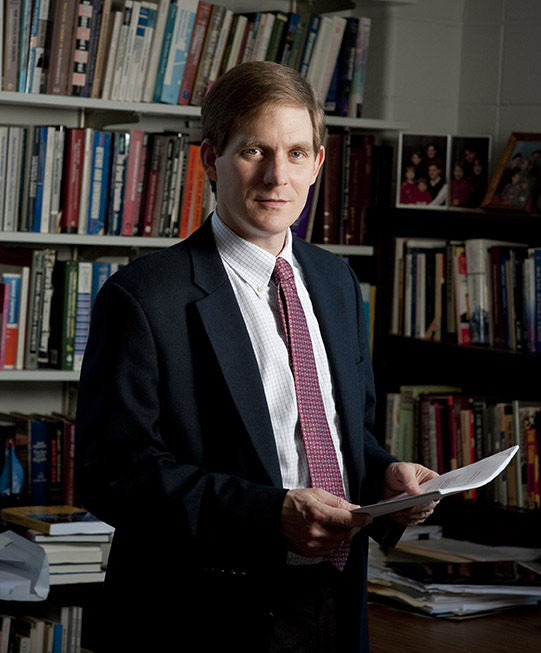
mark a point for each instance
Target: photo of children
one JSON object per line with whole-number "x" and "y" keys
{"x": 518, "y": 176}
{"x": 422, "y": 170}
{"x": 470, "y": 156}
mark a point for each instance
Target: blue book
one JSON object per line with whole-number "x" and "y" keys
{"x": 166, "y": 46}
{"x": 95, "y": 26}
{"x": 32, "y": 52}
{"x": 101, "y": 271}
{"x": 99, "y": 182}
{"x": 309, "y": 43}
{"x": 26, "y": 18}
{"x": 117, "y": 182}
{"x": 178, "y": 52}
{"x": 42, "y": 134}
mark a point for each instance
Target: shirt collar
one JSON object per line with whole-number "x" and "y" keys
{"x": 252, "y": 263}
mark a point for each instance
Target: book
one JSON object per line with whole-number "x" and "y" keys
{"x": 101, "y": 54}
{"x": 99, "y": 182}
{"x": 35, "y": 309}
{"x": 120, "y": 92}
{"x": 158, "y": 40}
{"x": 86, "y": 172}
{"x": 119, "y": 158}
{"x": 455, "y": 481}
{"x": 15, "y": 154}
{"x": 82, "y": 33}
{"x": 113, "y": 38}
{"x": 64, "y": 553}
{"x": 63, "y": 314}
{"x": 325, "y": 53}
{"x": 96, "y": 24}
{"x": 82, "y": 312}
{"x": 356, "y": 94}
{"x": 219, "y": 52}
{"x": 151, "y": 10}
{"x": 49, "y": 260}
{"x": 73, "y": 169}
{"x": 197, "y": 39}
{"x": 178, "y": 51}
{"x": 11, "y": 44}
{"x": 55, "y": 520}
{"x": 121, "y": 48}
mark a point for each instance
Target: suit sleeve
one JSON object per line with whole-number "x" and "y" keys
{"x": 134, "y": 460}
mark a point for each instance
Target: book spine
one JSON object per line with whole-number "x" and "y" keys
{"x": 202, "y": 18}
{"x": 12, "y": 281}
{"x": 35, "y": 309}
{"x": 11, "y": 44}
{"x": 207, "y": 53}
{"x": 73, "y": 169}
{"x": 80, "y": 63}
{"x": 178, "y": 54}
{"x": 132, "y": 182}
{"x": 121, "y": 146}
{"x": 48, "y": 290}
{"x": 82, "y": 312}
{"x": 99, "y": 183}
{"x": 86, "y": 174}
{"x": 39, "y": 462}
{"x": 58, "y": 81}
{"x": 13, "y": 177}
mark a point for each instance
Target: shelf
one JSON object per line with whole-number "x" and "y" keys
{"x": 349, "y": 250}
{"x": 45, "y": 375}
{"x": 68, "y": 103}
{"x": 84, "y": 239}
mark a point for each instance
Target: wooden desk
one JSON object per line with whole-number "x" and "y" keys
{"x": 397, "y": 631}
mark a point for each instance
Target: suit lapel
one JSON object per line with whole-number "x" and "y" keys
{"x": 224, "y": 325}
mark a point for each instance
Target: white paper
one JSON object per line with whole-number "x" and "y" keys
{"x": 458, "y": 480}
{"x": 24, "y": 569}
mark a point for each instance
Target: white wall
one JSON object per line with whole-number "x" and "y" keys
{"x": 456, "y": 66}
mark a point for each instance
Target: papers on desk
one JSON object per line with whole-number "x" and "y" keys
{"x": 451, "y": 578}
{"x": 24, "y": 569}
{"x": 458, "y": 480}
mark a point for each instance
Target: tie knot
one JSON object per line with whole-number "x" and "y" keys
{"x": 282, "y": 271}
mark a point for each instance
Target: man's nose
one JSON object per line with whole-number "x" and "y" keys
{"x": 276, "y": 170}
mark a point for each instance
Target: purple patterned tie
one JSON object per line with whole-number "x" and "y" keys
{"x": 320, "y": 451}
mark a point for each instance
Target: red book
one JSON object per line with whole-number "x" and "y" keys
{"x": 187, "y": 198}
{"x": 72, "y": 179}
{"x": 4, "y": 307}
{"x": 197, "y": 196}
{"x": 130, "y": 214}
{"x": 151, "y": 186}
{"x": 196, "y": 45}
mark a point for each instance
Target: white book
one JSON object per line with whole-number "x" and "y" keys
{"x": 145, "y": 51}
{"x": 72, "y": 553}
{"x": 82, "y": 226}
{"x": 459, "y": 480}
{"x": 121, "y": 50}
{"x": 23, "y": 312}
{"x": 109, "y": 73}
{"x": 155, "y": 51}
{"x": 47, "y": 181}
{"x": 4, "y": 148}
{"x": 56, "y": 182}
{"x": 220, "y": 48}
{"x": 129, "y": 54}
{"x": 13, "y": 177}
{"x": 239, "y": 28}
{"x": 333, "y": 49}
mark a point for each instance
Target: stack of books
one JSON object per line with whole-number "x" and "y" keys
{"x": 76, "y": 543}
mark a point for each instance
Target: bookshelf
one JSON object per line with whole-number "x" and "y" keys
{"x": 495, "y": 373}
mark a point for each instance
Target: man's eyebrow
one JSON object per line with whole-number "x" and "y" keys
{"x": 256, "y": 142}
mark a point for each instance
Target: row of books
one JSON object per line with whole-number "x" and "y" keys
{"x": 45, "y": 306}
{"x": 50, "y": 629}
{"x": 80, "y": 180}
{"x": 477, "y": 291}
{"x": 356, "y": 178}
{"x": 38, "y": 458}
{"x": 172, "y": 51}
{"x": 444, "y": 429}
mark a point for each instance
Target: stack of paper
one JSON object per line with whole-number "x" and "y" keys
{"x": 451, "y": 578}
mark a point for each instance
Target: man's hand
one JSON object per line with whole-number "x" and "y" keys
{"x": 315, "y": 522}
{"x": 406, "y": 477}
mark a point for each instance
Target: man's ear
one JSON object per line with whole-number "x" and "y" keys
{"x": 208, "y": 159}
{"x": 320, "y": 157}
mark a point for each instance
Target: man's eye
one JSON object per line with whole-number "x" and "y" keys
{"x": 297, "y": 155}
{"x": 253, "y": 151}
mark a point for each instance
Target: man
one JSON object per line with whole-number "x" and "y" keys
{"x": 190, "y": 441}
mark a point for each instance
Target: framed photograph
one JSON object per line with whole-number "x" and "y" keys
{"x": 516, "y": 182}
{"x": 423, "y": 170}
{"x": 468, "y": 172}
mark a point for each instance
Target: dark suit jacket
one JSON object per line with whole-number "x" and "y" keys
{"x": 175, "y": 445}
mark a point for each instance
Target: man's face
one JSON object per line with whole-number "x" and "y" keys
{"x": 264, "y": 174}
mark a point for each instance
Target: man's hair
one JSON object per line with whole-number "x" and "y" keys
{"x": 244, "y": 90}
